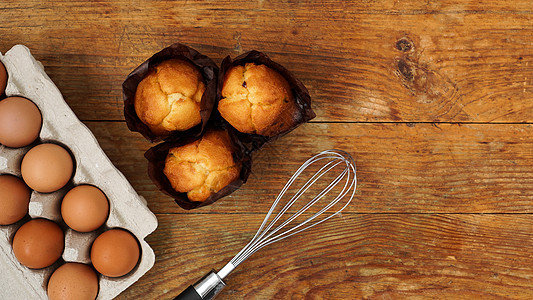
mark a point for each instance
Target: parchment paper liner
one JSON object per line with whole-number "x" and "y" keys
{"x": 206, "y": 66}
{"x": 244, "y": 144}
{"x": 301, "y": 95}
{"x": 156, "y": 163}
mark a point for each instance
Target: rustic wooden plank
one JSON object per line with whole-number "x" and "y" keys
{"x": 378, "y": 256}
{"x": 401, "y": 167}
{"x": 443, "y": 208}
{"x": 371, "y": 61}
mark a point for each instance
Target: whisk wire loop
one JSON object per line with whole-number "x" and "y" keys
{"x": 262, "y": 231}
{"x": 303, "y": 209}
{"x": 268, "y": 233}
{"x": 295, "y": 198}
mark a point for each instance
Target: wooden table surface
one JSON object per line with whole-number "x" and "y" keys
{"x": 434, "y": 99}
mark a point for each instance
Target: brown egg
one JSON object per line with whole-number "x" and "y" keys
{"x": 14, "y": 199}
{"x": 38, "y": 243}
{"x": 47, "y": 168}
{"x": 85, "y": 208}
{"x": 3, "y": 78}
{"x": 73, "y": 281}
{"x": 115, "y": 253}
{"x": 20, "y": 122}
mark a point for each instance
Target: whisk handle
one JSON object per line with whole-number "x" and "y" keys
{"x": 204, "y": 289}
{"x": 189, "y": 294}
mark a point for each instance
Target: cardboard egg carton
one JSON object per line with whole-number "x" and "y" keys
{"x": 27, "y": 78}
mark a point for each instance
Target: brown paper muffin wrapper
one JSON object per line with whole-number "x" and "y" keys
{"x": 206, "y": 66}
{"x": 301, "y": 95}
{"x": 156, "y": 163}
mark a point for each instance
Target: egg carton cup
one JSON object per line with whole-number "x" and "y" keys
{"x": 128, "y": 210}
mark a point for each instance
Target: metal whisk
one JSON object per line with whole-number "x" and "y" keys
{"x": 277, "y": 226}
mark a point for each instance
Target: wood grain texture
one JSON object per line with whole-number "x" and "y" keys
{"x": 432, "y": 98}
{"x": 462, "y": 61}
{"x": 430, "y": 168}
{"x": 371, "y": 256}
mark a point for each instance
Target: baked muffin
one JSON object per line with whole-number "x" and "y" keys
{"x": 168, "y": 98}
{"x": 256, "y": 99}
{"x": 203, "y": 167}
